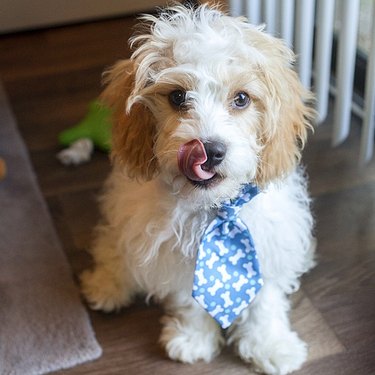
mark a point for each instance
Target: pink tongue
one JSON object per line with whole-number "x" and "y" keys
{"x": 191, "y": 156}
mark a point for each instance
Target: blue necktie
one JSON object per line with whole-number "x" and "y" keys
{"x": 227, "y": 276}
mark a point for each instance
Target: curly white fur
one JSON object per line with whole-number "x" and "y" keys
{"x": 154, "y": 217}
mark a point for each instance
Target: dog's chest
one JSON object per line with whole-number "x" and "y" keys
{"x": 172, "y": 241}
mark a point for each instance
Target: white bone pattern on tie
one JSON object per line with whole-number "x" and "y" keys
{"x": 213, "y": 289}
{"x": 240, "y": 283}
{"x": 226, "y": 297}
{"x": 223, "y": 272}
{"x": 237, "y": 256}
{"x": 210, "y": 263}
{"x": 227, "y": 276}
{"x": 222, "y": 249}
{"x": 201, "y": 278}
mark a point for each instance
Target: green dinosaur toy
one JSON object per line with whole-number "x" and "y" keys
{"x": 96, "y": 126}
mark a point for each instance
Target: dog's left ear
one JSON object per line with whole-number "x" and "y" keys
{"x": 133, "y": 129}
{"x": 286, "y": 114}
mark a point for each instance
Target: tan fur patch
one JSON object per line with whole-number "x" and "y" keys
{"x": 134, "y": 130}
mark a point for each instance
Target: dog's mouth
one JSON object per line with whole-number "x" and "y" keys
{"x": 192, "y": 162}
{"x": 211, "y": 182}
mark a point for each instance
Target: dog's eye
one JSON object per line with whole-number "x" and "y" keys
{"x": 241, "y": 100}
{"x": 177, "y": 98}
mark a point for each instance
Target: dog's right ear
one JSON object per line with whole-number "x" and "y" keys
{"x": 133, "y": 129}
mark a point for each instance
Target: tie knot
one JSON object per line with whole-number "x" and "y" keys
{"x": 230, "y": 208}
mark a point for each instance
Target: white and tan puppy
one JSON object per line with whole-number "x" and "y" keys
{"x": 206, "y": 104}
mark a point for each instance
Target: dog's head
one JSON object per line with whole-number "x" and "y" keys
{"x": 207, "y": 102}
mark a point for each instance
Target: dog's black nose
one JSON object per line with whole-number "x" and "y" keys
{"x": 215, "y": 153}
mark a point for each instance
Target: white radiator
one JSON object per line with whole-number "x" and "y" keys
{"x": 301, "y": 23}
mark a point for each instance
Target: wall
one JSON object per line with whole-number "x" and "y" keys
{"x": 18, "y": 15}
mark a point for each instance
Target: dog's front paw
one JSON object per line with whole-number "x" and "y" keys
{"x": 189, "y": 344}
{"x": 102, "y": 291}
{"x": 273, "y": 356}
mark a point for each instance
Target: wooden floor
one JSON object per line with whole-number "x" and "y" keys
{"x": 50, "y": 77}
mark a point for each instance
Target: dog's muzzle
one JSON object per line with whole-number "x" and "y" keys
{"x": 197, "y": 160}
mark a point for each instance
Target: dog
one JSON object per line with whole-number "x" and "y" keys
{"x": 206, "y": 105}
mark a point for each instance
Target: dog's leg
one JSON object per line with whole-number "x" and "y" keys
{"x": 189, "y": 333}
{"x": 110, "y": 285}
{"x": 262, "y": 335}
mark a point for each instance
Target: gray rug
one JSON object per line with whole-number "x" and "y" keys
{"x": 43, "y": 324}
